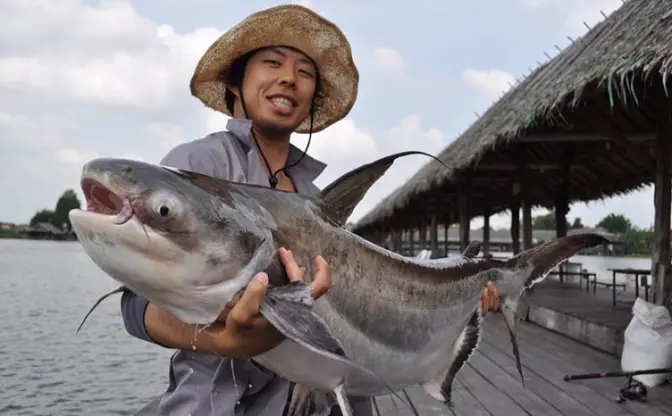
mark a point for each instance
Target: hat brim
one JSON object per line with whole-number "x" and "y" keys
{"x": 293, "y": 26}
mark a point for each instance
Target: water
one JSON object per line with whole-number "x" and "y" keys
{"x": 600, "y": 265}
{"x": 46, "y": 288}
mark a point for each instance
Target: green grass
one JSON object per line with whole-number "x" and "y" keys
{"x": 9, "y": 234}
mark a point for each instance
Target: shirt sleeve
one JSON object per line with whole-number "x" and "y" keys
{"x": 196, "y": 157}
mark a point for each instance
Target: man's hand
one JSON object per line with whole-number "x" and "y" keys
{"x": 246, "y": 332}
{"x": 489, "y": 299}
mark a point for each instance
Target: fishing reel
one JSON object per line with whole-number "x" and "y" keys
{"x": 633, "y": 391}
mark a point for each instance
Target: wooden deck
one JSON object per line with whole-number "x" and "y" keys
{"x": 490, "y": 385}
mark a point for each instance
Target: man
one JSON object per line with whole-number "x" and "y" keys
{"x": 279, "y": 71}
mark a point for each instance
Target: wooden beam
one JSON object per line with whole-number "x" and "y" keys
{"x": 572, "y": 137}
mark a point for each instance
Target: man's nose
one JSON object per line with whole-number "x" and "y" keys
{"x": 288, "y": 77}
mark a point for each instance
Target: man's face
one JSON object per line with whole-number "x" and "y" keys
{"x": 278, "y": 88}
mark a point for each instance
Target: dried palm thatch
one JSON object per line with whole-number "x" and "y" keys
{"x": 615, "y": 67}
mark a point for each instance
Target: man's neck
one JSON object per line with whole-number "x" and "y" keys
{"x": 275, "y": 149}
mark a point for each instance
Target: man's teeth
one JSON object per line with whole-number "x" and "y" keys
{"x": 282, "y": 102}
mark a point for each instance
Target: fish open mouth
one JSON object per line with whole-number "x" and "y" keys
{"x": 102, "y": 200}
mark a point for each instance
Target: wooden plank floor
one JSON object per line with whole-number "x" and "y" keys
{"x": 570, "y": 299}
{"x": 490, "y": 385}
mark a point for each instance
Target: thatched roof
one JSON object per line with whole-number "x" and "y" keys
{"x": 596, "y": 90}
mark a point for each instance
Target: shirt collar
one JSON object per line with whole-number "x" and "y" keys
{"x": 309, "y": 167}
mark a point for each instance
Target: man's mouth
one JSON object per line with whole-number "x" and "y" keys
{"x": 282, "y": 102}
{"x": 101, "y": 200}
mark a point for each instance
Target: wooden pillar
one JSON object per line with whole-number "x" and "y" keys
{"x": 423, "y": 236}
{"x": 463, "y": 205}
{"x": 486, "y": 231}
{"x": 527, "y": 224}
{"x": 445, "y": 236}
{"x": 660, "y": 260}
{"x": 433, "y": 235}
{"x": 515, "y": 219}
{"x": 562, "y": 202}
{"x": 411, "y": 241}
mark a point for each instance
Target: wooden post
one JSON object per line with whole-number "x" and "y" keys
{"x": 660, "y": 260}
{"x": 562, "y": 200}
{"x": 463, "y": 202}
{"x": 486, "y": 231}
{"x": 411, "y": 241}
{"x": 433, "y": 235}
{"x": 515, "y": 219}
{"x": 445, "y": 236}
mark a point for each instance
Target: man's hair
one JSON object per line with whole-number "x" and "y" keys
{"x": 234, "y": 77}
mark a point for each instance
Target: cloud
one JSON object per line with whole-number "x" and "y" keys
{"x": 491, "y": 83}
{"x": 575, "y": 12}
{"x": 85, "y": 66}
{"x": 388, "y": 60}
{"x": 346, "y": 146}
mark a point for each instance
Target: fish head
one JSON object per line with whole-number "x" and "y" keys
{"x": 153, "y": 230}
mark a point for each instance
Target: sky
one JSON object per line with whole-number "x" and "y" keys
{"x": 85, "y": 79}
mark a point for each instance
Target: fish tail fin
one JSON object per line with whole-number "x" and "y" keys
{"x": 523, "y": 270}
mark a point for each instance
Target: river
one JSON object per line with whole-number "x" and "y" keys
{"x": 46, "y": 288}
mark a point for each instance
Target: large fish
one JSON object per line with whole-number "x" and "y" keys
{"x": 190, "y": 242}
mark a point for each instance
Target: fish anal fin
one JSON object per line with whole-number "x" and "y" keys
{"x": 100, "y": 299}
{"x": 309, "y": 402}
{"x": 339, "y": 198}
{"x": 289, "y": 308}
{"x": 441, "y": 387}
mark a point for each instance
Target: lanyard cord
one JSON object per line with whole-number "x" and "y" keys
{"x": 273, "y": 180}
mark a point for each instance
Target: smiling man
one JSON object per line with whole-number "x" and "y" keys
{"x": 282, "y": 70}
{"x": 279, "y": 71}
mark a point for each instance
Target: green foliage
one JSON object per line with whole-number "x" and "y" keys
{"x": 67, "y": 202}
{"x": 615, "y": 223}
{"x": 59, "y": 216}
{"x": 45, "y": 215}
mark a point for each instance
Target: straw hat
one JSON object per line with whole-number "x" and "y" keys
{"x": 293, "y": 26}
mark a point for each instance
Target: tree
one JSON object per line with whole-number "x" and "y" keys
{"x": 66, "y": 203}
{"x": 546, "y": 222}
{"x": 45, "y": 215}
{"x": 615, "y": 223}
{"x": 577, "y": 223}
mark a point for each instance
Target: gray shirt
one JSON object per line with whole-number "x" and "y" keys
{"x": 202, "y": 384}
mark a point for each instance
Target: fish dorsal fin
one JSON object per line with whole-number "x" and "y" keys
{"x": 341, "y": 196}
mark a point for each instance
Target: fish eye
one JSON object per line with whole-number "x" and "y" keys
{"x": 164, "y": 206}
{"x": 164, "y": 210}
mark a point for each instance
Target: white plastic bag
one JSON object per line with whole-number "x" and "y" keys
{"x": 648, "y": 342}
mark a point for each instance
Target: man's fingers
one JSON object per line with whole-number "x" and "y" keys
{"x": 322, "y": 281}
{"x": 293, "y": 271}
{"x": 248, "y": 305}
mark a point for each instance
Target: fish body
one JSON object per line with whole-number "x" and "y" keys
{"x": 189, "y": 243}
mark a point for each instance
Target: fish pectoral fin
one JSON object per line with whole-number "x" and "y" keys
{"x": 441, "y": 388}
{"x": 100, "y": 299}
{"x": 339, "y": 198}
{"x": 289, "y": 308}
{"x": 310, "y": 402}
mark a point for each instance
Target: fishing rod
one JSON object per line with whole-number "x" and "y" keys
{"x": 633, "y": 390}
{"x": 613, "y": 374}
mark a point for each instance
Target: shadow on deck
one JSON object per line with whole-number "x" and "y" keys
{"x": 490, "y": 385}
{"x": 585, "y": 316}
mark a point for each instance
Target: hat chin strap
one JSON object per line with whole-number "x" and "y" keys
{"x": 273, "y": 180}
